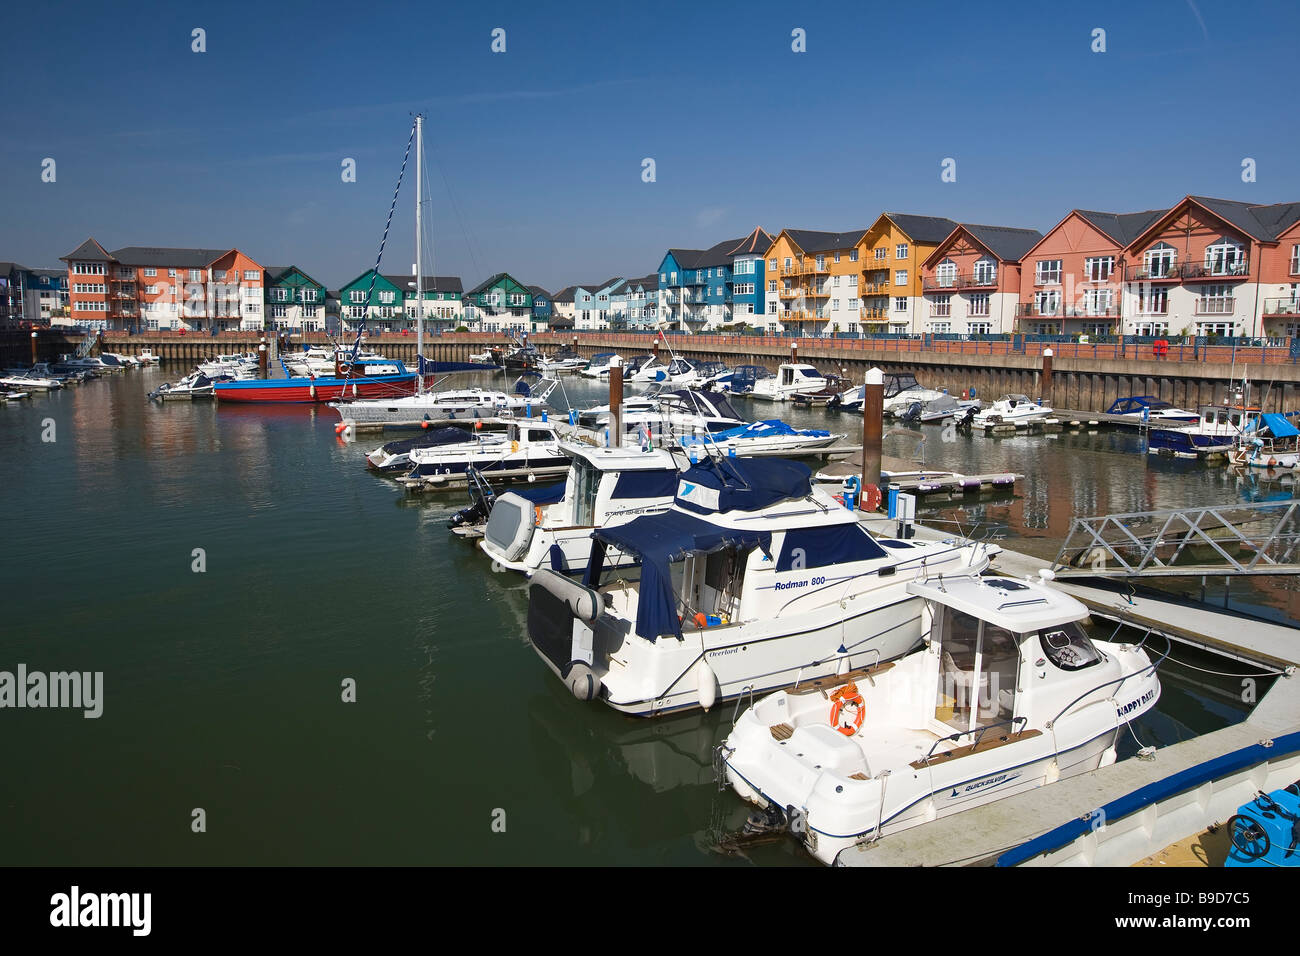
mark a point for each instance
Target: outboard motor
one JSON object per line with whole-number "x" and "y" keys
{"x": 911, "y": 414}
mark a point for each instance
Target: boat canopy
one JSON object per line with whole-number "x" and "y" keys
{"x": 745, "y": 484}
{"x": 657, "y": 540}
{"x": 429, "y": 367}
{"x": 768, "y": 428}
{"x": 1278, "y": 426}
{"x": 546, "y": 495}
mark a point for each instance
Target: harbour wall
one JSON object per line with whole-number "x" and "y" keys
{"x": 1084, "y": 377}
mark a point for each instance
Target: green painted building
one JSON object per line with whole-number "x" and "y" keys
{"x": 295, "y": 302}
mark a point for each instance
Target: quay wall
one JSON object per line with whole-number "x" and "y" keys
{"x": 1084, "y": 377}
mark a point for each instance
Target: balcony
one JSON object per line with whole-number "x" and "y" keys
{"x": 1216, "y": 305}
{"x": 1192, "y": 271}
{"x": 874, "y": 288}
{"x": 873, "y": 312}
{"x": 956, "y": 283}
{"x": 1282, "y": 306}
{"x": 941, "y": 311}
{"x": 803, "y": 267}
{"x": 1032, "y": 310}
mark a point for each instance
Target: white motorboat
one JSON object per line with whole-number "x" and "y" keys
{"x": 449, "y": 403}
{"x": 565, "y": 359}
{"x": 791, "y": 377}
{"x": 552, "y": 527}
{"x": 1007, "y": 694}
{"x": 1271, "y": 442}
{"x": 529, "y": 444}
{"x": 599, "y": 365}
{"x": 29, "y": 380}
{"x": 767, "y": 436}
{"x": 753, "y": 579}
{"x": 395, "y": 456}
{"x": 1217, "y": 432}
{"x": 676, "y": 372}
{"x": 739, "y": 380}
{"x": 663, "y": 416}
{"x": 936, "y": 410}
{"x": 242, "y": 365}
{"x": 904, "y": 390}
{"x": 1149, "y": 410}
{"x": 196, "y": 385}
{"x": 146, "y": 357}
{"x": 1011, "y": 410}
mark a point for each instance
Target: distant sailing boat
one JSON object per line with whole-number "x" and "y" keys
{"x": 354, "y": 378}
{"x": 440, "y": 404}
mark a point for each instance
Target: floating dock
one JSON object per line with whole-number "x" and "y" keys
{"x": 907, "y": 477}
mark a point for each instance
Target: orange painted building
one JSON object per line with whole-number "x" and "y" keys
{"x": 155, "y": 288}
{"x": 892, "y": 252}
{"x": 1072, "y": 280}
{"x": 971, "y": 282}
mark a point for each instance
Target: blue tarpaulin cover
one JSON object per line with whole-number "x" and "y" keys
{"x": 658, "y": 540}
{"x": 764, "y": 429}
{"x": 658, "y": 483}
{"x": 1278, "y": 426}
{"x": 720, "y": 485}
{"x": 429, "y": 367}
{"x": 547, "y": 495}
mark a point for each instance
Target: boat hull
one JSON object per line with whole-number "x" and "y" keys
{"x": 310, "y": 391}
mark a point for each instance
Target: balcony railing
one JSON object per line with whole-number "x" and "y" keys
{"x": 1282, "y": 306}
{"x": 1216, "y": 305}
{"x": 873, "y": 312}
{"x": 954, "y": 283}
{"x": 941, "y": 311}
{"x": 1236, "y": 269}
{"x": 1036, "y": 311}
{"x": 874, "y": 288}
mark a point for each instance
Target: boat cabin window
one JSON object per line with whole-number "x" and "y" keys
{"x": 978, "y": 671}
{"x": 586, "y": 485}
{"x": 537, "y": 434}
{"x": 1068, "y": 647}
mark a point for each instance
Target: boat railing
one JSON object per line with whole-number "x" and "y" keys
{"x": 746, "y": 691}
{"x": 978, "y": 733}
{"x": 1118, "y": 682}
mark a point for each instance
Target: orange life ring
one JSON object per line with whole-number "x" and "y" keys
{"x": 846, "y": 695}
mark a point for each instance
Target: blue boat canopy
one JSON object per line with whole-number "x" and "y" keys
{"x": 745, "y": 484}
{"x": 1278, "y": 426}
{"x": 547, "y": 495}
{"x": 430, "y": 367}
{"x": 658, "y": 540}
{"x": 764, "y": 429}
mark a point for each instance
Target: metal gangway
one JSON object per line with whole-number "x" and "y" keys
{"x": 1217, "y": 540}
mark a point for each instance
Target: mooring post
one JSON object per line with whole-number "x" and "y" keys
{"x": 1046, "y": 384}
{"x": 873, "y": 416}
{"x": 794, "y": 352}
{"x": 616, "y": 402}
{"x": 33, "y": 346}
{"x": 262, "y": 356}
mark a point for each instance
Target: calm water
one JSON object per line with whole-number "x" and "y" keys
{"x": 222, "y": 688}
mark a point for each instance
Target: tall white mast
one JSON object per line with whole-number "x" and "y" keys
{"x": 419, "y": 271}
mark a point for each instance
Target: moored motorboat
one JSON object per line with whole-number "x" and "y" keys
{"x": 1011, "y": 410}
{"x": 769, "y": 436}
{"x": 354, "y": 382}
{"x": 790, "y": 378}
{"x": 605, "y": 487}
{"x": 528, "y": 445}
{"x": 395, "y": 456}
{"x": 1149, "y": 410}
{"x": 1216, "y": 433}
{"x": 751, "y": 580}
{"x": 1006, "y": 694}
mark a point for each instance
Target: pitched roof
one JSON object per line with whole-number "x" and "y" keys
{"x": 1123, "y": 227}
{"x": 810, "y": 240}
{"x": 9, "y": 268}
{"x": 1005, "y": 242}
{"x": 1265, "y": 223}
{"x": 565, "y": 294}
{"x": 493, "y": 280}
{"x": 537, "y": 290}
{"x": 649, "y": 283}
{"x": 167, "y": 257}
{"x": 927, "y": 229}
{"x": 88, "y": 251}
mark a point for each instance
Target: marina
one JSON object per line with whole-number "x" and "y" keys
{"x": 243, "y": 446}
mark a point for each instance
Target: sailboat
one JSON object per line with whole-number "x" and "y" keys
{"x": 357, "y": 377}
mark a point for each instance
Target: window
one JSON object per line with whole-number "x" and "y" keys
{"x": 218, "y": 273}
{"x": 1222, "y": 329}
{"x": 279, "y": 311}
{"x": 1098, "y": 268}
{"x": 986, "y": 272}
{"x": 853, "y": 305}
{"x": 1047, "y": 272}
{"x": 1159, "y": 262}
{"x": 88, "y": 268}
{"x": 771, "y": 265}
{"x": 1047, "y": 303}
{"x": 979, "y": 328}
{"x": 356, "y": 295}
{"x": 1099, "y": 301}
{"x": 941, "y": 305}
{"x": 941, "y": 328}
{"x": 979, "y": 304}
{"x": 279, "y": 295}
{"x": 1225, "y": 258}
{"x": 1216, "y": 300}
{"x": 821, "y": 263}
{"x": 946, "y": 274}
{"x": 1153, "y": 328}
{"x": 771, "y": 285}
{"x": 837, "y": 256}
{"x": 150, "y": 273}
{"x": 900, "y": 277}
{"x": 171, "y": 273}
{"x": 882, "y": 253}
{"x": 196, "y": 275}
{"x": 387, "y": 297}
{"x": 151, "y": 290}
{"x": 853, "y": 255}
{"x": 900, "y": 303}
{"x": 900, "y": 251}
{"x": 1295, "y": 260}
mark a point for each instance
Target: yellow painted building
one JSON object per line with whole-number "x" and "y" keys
{"x": 890, "y": 254}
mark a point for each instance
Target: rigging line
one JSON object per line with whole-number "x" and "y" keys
{"x": 374, "y": 274}
{"x": 469, "y": 246}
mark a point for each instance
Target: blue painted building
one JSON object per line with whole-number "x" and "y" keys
{"x": 703, "y": 289}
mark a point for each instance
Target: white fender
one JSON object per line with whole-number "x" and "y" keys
{"x": 706, "y": 683}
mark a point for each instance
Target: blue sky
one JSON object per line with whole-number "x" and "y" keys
{"x": 535, "y": 154}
